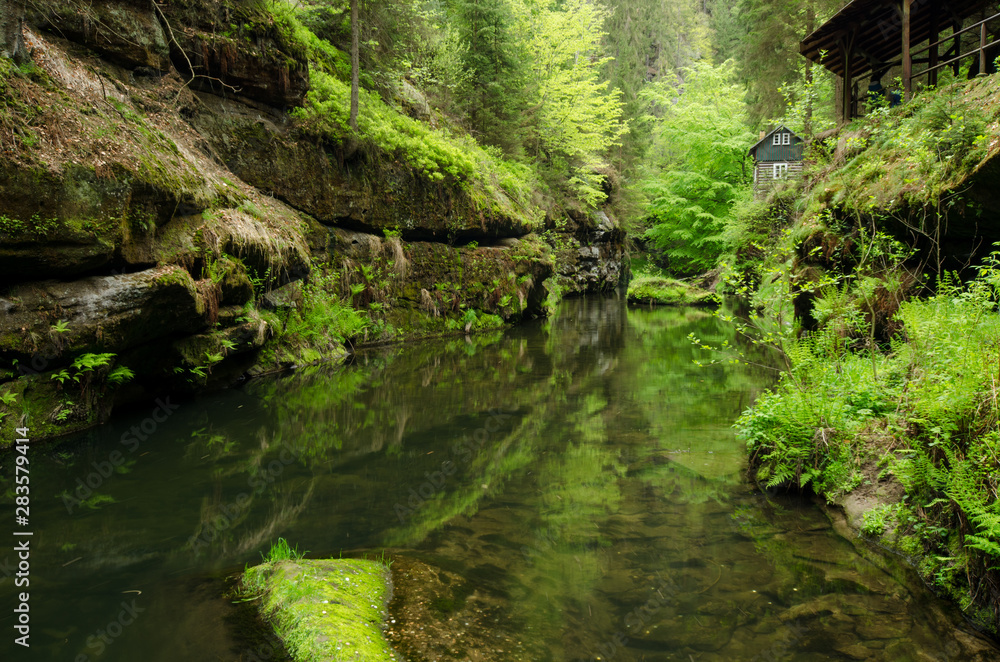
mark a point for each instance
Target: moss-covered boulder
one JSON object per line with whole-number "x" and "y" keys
{"x": 662, "y": 291}
{"x": 429, "y": 287}
{"x": 325, "y": 610}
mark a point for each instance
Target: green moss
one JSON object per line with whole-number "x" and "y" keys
{"x": 664, "y": 291}
{"x": 176, "y": 276}
{"x": 914, "y": 154}
{"x": 325, "y": 609}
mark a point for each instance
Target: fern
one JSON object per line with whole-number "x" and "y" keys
{"x": 120, "y": 375}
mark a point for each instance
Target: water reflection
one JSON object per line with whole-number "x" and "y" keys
{"x": 569, "y": 490}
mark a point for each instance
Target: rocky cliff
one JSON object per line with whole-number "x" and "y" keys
{"x": 166, "y": 225}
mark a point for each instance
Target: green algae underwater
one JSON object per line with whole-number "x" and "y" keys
{"x": 569, "y": 489}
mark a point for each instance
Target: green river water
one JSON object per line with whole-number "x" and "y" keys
{"x": 568, "y": 490}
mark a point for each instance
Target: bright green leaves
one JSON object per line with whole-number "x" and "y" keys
{"x": 572, "y": 116}
{"x": 699, "y": 142}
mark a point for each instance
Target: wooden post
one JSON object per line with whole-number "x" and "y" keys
{"x": 932, "y": 76}
{"x": 847, "y": 50}
{"x": 982, "y": 49}
{"x": 907, "y": 60}
{"x": 955, "y": 27}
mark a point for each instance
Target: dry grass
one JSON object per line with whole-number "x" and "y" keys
{"x": 427, "y": 303}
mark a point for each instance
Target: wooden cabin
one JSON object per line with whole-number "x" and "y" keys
{"x": 777, "y": 155}
{"x": 868, "y": 39}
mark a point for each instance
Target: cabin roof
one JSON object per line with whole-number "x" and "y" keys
{"x": 878, "y": 30}
{"x": 773, "y": 131}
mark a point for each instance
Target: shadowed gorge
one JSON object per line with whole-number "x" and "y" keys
{"x": 554, "y": 492}
{"x": 489, "y": 330}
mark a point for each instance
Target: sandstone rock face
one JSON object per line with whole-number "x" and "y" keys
{"x": 595, "y": 258}
{"x": 127, "y": 32}
{"x": 433, "y": 278}
{"x": 57, "y": 224}
{"x": 359, "y": 195}
{"x": 100, "y": 313}
{"x": 236, "y": 50}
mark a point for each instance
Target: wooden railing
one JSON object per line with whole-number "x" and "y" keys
{"x": 954, "y": 35}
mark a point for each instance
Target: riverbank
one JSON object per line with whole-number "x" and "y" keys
{"x": 889, "y": 406}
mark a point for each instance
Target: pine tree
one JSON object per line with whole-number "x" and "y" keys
{"x": 495, "y": 66}
{"x": 769, "y": 55}
{"x": 647, "y": 40}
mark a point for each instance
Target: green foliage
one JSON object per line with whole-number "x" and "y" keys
{"x": 917, "y": 154}
{"x": 876, "y": 519}
{"x": 700, "y": 139}
{"x": 120, "y": 375}
{"x": 648, "y": 40}
{"x": 89, "y": 362}
{"x": 931, "y": 395}
{"x": 769, "y": 52}
{"x": 574, "y": 117}
{"x": 282, "y": 551}
{"x": 85, "y": 364}
{"x": 493, "y": 92}
{"x": 437, "y": 153}
{"x": 809, "y": 98}
{"x": 324, "y": 318}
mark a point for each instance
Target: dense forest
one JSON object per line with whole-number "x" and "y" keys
{"x": 198, "y": 192}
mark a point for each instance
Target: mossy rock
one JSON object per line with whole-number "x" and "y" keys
{"x": 384, "y": 194}
{"x": 100, "y": 313}
{"x": 50, "y": 409}
{"x": 661, "y": 291}
{"x": 326, "y": 610}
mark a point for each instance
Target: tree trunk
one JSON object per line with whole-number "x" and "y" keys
{"x": 11, "y": 39}
{"x": 355, "y": 63}
{"x": 810, "y": 26}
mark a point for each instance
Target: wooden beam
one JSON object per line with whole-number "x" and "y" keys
{"x": 907, "y": 61}
{"x": 956, "y": 26}
{"x": 982, "y": 49}
{"x": 932, "y": 77}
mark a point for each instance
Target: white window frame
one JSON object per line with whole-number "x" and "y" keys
{"x": 786, "y": 139}
{"x": 779, "y": 170}
{"x": 777, "y": 139}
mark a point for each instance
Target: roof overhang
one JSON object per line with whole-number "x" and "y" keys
{"x": 873, "y": 30}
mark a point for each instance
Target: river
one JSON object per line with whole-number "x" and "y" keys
{"x": 570, "y": 489}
